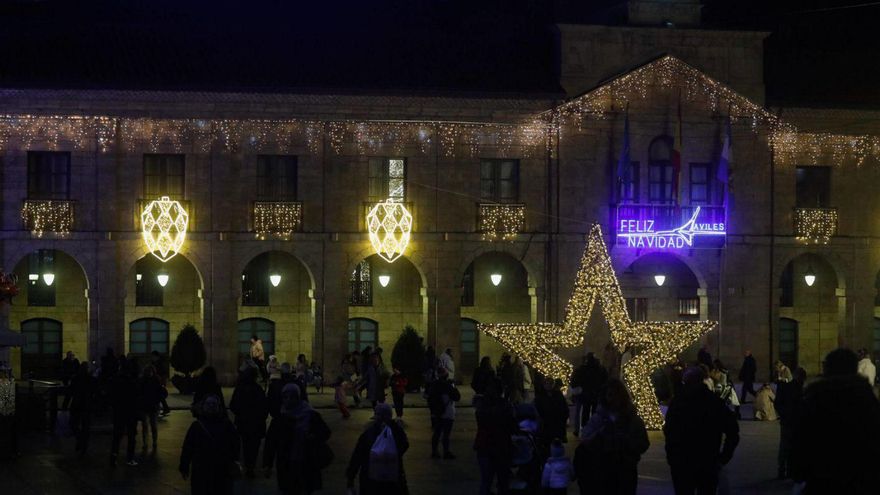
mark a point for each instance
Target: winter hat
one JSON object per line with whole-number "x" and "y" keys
{"x": 556, "y": 449}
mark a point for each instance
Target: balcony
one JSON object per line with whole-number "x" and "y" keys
{"x": 47, "y": 215}
{"x": 501, "y": 221}
{"x": 669, "y": 226}
{"x": 815, "y": 225}
{"x": 277, "y": 218}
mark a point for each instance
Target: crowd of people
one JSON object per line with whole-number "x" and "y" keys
{"x": 521, "y": 430}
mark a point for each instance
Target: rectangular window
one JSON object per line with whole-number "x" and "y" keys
{"x": 629, "y": 184}
{"x": 40, "y": 264}
{"x": 361, "y": 285}
{"x": 255, "y": 282}
{"x": 163, "y": 176}
{"x": 148, "y": 291}
{"x": 637, "y": 307}
{"x": 276, "y": 177}
{"x": 48, "y": 175}
{"x": 387, "y": 179}
{"x": 689, "y": 306}
{"x": 701, "y": 192}
{"x": 499, "y": 181}
{"x": 660, "y": 182}
{"x": 813, "y": 187}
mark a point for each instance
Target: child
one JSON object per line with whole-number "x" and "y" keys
{"x": 273, "y": 368}
{"x": 398, "y": 391}
{"x": 558, "y": 471}
{"x": 341, "y": 395}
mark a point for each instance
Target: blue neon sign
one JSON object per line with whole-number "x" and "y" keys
{"x": 646, "y": 232}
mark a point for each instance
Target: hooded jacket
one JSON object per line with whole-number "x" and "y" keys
{"x": 696, "y": 423}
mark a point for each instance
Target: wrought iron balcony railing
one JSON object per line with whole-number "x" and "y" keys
{"x": 501, "y": 221}
{"x": 47, "y": 215}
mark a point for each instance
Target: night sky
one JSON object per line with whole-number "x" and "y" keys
{"x": 426, "y": 46}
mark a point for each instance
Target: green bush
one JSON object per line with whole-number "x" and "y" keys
{"x": 188, "y": 353}
{"x": 408, "y": 356}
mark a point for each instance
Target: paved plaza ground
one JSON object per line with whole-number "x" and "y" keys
{"x": 48, "y": 464}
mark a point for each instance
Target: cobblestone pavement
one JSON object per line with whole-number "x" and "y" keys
{"x": 49, "y": 466}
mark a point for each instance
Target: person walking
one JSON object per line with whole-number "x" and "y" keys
{"x": 377, "y": 459}
{"x": 124, "y": 398}
{"x": 448, "y": 363}
{"x": 372, "y": 381}
{"x": 206, "y": 385}
{"x": 701, "y": 435}
{"x": 258, "y": 356}
{"x": 293, "y": 442}
{"x": 210, "y": 451}
{"x": 340, "y": 395}
{"x": 398, "y": 392}
{"x": 747, "y": 376}
{"x": 553, "y": 410}
{"x": 496, "y": 423}
{"x": 83, "y": 390}
{"x": 517, "y": 383}
{"x": 836, "y": 437}
{"x": 442, "y": 396}
{"x": 69, "y": 368}
{"x": 594, "y": 379}
{"x": 151, "y": 395}
{"x": 250, "y": 407}
{"x": 558, "y": 471}
{"x": 273, "y": 368}
{"x": 789, "y": 397}
{"x": 160, "y": 363}
{"x": 612, "y": 443}
{"x": 866, "y": 367}
{"x": 273, "y": 394}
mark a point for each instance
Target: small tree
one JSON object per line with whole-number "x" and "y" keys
{"x": 188, "y": 353}
{"x": 408, "y": 356}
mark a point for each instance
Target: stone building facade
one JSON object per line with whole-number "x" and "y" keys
{"x": 460, "y": 154}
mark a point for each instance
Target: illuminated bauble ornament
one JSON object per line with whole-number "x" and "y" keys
{"x": 275, "y": 279}
{"x": 390, "y": 226}
{"x": 163, "y": 224}
{"x": 659, "y": 280}
{"x": 384, "y": 280}
{"x": 496, "y": 279}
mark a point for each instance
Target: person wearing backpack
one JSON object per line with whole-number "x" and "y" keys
{"x": 209, "y": 455}
{"x": 297, "y": 442}
{"x": 377, "y": 458}
{"x": 442, "y": 396}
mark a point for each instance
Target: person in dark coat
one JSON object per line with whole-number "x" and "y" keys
{"x": 612, "y": 443}
{"x": 442, "y": 396}
{"x": 273, "y": 394}
{"x": 590, "y": 377}
{"x": 83, "y": 390}
{"x": 151, "y": 394}
{"x": 496, "y": 423}
{"x": 836, "y": 437}
{"x": 162, "y": 372}
{"x": 359, "y": 464}
{"x": 69, "y": 367}
{"x": 250, "y": 407}
{"x": 789, "y": 397}
{"x": 207, "y": 385}
{"x": 747, "y": 376}
{"x": 553, "y": 410}
{"x": 124, "y": 398}
{"x": 701, "y": 436}
{"x": 483, "y": 375}
{"x": 290, "y": 444}
{"x": 704, "y": 356}
{"x": 209, "y": 450}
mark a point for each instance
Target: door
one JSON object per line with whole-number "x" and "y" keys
{"x": 788, "y": 342}
{"x": 41, "y": 356}
{"x": 470, "y": 348}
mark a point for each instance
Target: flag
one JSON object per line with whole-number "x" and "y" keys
{"x": 676, "y": 157}
{"x": 624, "y": 170}
{"x": 723, "y": 173}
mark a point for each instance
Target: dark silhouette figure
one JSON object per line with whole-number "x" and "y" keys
{"x": 359, "y": 464}
{"x": 124, "y": 398}
{"x": 747, "y": 376}
{"x": 496, "y": 422}
{"x": 553, "y": 410}
{"x": 442, "y": 396}
{"x": 83, "y": 390}
{"x": 789, "y": 397}
{"x": 836, "y": 438}
{"x": 250, "y": 407}
{"x": 206, "y": 385}
{"x": 209, "y": 450}
{"x": 589, "y": 378}
{"x": 701, "y": 436}
{"x": 483, "y": 375}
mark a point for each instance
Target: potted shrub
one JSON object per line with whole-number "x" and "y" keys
{"x": 408, "y": 356}
{"x": 187, "y": 356}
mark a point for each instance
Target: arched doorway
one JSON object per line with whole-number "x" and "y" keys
{"x": 788, "y": 342}
{"x": 160, "y": 298}
{"x": 53, "y": 289}
{"x": 42, "y": 354}
{"x": 276, "y": 291}
{"x": 362, "y": 332}
{"x": 808, "y": 296}
{"x": 262, "y": 328}
{"x": 470, "y": 347}
{"x": 388, "y": 294}
{"x": 495, "y": 289}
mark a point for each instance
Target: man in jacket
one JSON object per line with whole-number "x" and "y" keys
{"x": 747, "y": 376}
{"x": 701, "y": 436}
{"x": 442, "y": 396}
{"x": 836, "y": 437}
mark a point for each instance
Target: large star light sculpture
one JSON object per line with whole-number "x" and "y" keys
{"x": 652, "y": 344}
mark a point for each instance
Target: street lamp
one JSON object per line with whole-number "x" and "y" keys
{"x": 496, "y": 279}
{"x": 384, "y": 280}
{"x": 162, "y": 277}
{"x": 48, "y": 278}
{"x": 275, "y": 279}
{"x": 810, "y": 277}
{"x": 660, "y": 279}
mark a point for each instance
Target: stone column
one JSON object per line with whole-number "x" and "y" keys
{"x": 220, "y": 312}
{"x": 106, "y": 300}
{"x": 538, "y": 298}
{"x": 332, "y": 323}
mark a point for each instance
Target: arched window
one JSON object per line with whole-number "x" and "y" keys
{"x": 470, "y": 346}
{"x": 255, "y": 282}
{"x": 788, "y": 342}
{"x": 263, "y": 328}
{"x": 361, "y": 333}
{"x": 660, "y": 171}
{"x": 361, "y": 285}
{"x": 147, "y": 335}
{"x": 42, "y": 353}
{"x": 148, "y": 290}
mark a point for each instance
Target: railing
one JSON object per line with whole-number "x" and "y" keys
{"x": 47, "y": 215}
{"x": 277, "y": 218}
{"x": 501, "y": 220}
{"x": 815, "y": 225}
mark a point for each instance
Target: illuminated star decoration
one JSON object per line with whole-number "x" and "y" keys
{"x": 653, "y": 344}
